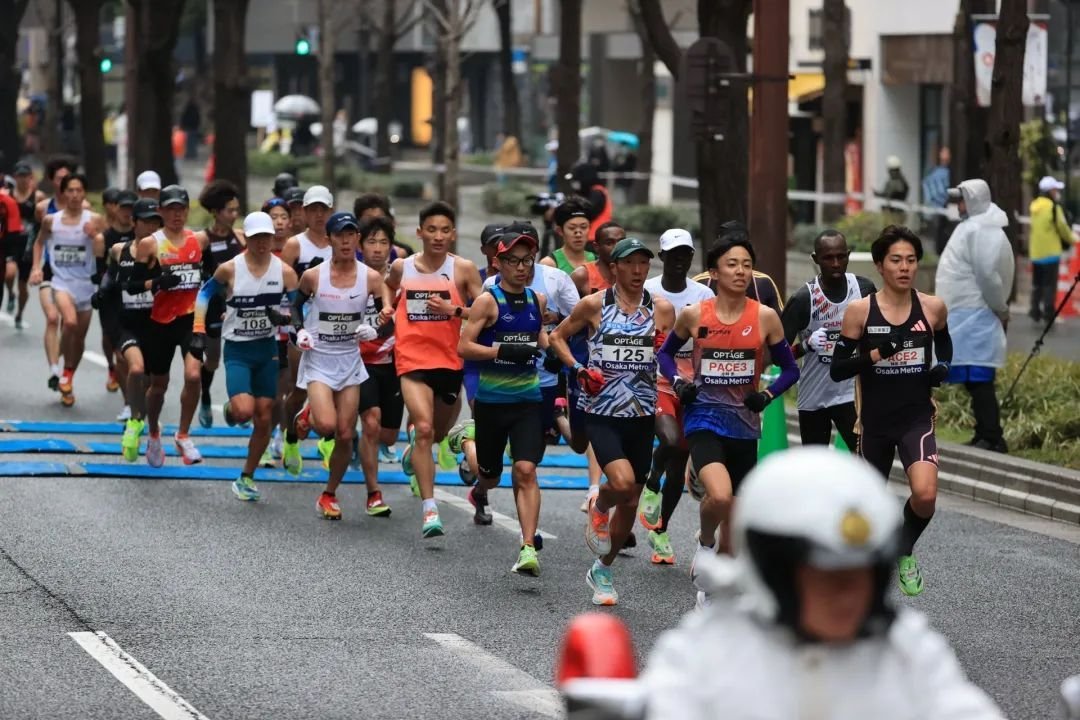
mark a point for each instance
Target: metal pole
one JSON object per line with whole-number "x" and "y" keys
{"x": 1068, "y": 96}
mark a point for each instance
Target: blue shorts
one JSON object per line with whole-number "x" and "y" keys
{"x": 971, "y": 374}
{"x": 251, "y": 367}
{"x": 471, "y": 380}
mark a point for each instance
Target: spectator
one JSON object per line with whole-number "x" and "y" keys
{"x": 895, "y": 191}
{"x": 1050, "y": 236}
{"x": 507, "y": 156}
{"x": 974, "y": 278}
{"x": 552, "y": 148}
{"x": 191, "y": 123}
{"x": 935, "y": 193}
{"x": 625, "y": 162}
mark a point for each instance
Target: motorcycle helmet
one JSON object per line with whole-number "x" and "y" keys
{"x": 283, "y": 182}
{"x": 583, "y": 176}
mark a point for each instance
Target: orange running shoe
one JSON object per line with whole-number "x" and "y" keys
{"x": 375, "y": 505}
{"x": 112, "y": 384}
{"x": 328, "y": 506}
{"x": 302, "y": 422}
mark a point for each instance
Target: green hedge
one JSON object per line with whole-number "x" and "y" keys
{"x": 270, "y": 164}
{"x": 654, "y": 220}
{"x": 507, "y": 199}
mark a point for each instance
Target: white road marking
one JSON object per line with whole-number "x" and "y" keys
{"x": 129, "y": 671}
{"x": 96, "y": 358}
{"x": 504, "y": 521}
{"x": 524, "y": 690}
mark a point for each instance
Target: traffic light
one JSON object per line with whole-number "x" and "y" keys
{"x": 303, "y": 45}
{"x": 105, "y": 64}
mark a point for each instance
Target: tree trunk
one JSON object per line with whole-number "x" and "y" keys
{"x": 50, "y": 131}
{"x": 438, "y": 100}
{"x": 10, "y": 145}
{"x": 967, "y": 121}
{"x": 451, "y": 146}
{"x": 327, "y": 101}
{"x": 834, "y": 104}
{"x": 1006, "y": 110}
{"x": 384, "y": 69}
{"x": 231, "y": 94}
{"x": 511, "y": 126}
{"x": 92, "y": 105}
{"x": 640, "y": 193}
{"x": 566, "y": 82}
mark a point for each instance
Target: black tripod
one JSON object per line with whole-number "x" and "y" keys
{"x": 1039, "y": 342}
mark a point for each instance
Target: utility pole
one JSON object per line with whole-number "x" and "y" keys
{"x": 769, "y": 139}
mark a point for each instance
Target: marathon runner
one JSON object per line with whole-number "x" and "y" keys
{"x": 655, "y": 510}
{"x": 369, "y": 205}
{"x": 331, "y": 369}
{"x": 148, "y": 185}
{"x": 120, "y": 230}
{"x": 813, "y": 315}
{"x": 72, "y": 240}
{"x": 55, "y": 170}
{"x": 178, "y": 250}
{"x": 571, "y": 224}
{"x": 13, "y": 236}
{"x": 27, "y": 196}
{"x": 504, "y": 335}
{"x": 885, "y": 342}
{"x": 252, "y": 284}
{"x": 278, "y": 210}
{"x": 282, "y": 183}
{"x": 763, "y": 288}
{"x": 435, "y": 287}
{"x": 294, "y": 200}
{"x": 619, "y": 390}
{"x": 221, "y": 199}
{"x": 721, "y": 405}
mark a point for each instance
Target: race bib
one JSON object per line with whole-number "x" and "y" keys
{"x": 219, "y": 247}
{"x": 825, "y": 354}
{"x": 190, "y": 275}
{"x": 69, "y": 255}
{"x": 905, "y": 361}
{"x": 513, "y": 338}
{"x": 627, "y": 353}
{"x": 371, "y": 314}
{"x": 141, "y": 301}
{"x": 727, "y": 367}
{"x": 252, "y": 322}
{"x": 339, "y": 327}
{"x": 416, "y": 305}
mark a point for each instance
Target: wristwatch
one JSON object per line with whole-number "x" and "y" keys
{"x": 458, "y": 311}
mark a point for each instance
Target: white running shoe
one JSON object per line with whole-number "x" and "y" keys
{"x": 188, "y": 451}
{"x": 124, "y": 415}
{"x": 276, "y": 443}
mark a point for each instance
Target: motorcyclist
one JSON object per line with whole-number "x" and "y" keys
{"x": 797, "y": 624}
{"x": 586, "y": 182}
{"x": 283, "y": 182}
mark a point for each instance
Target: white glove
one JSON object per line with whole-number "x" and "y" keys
{"x": 366, "y": 332}
{"x": 818, "y": 340}
{"x": 304, "y": 341}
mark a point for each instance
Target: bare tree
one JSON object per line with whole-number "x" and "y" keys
{"x": 10, "y": 148}
{"x": 232, "y": 93}
{"x": 91, "y": 91}
{"x": 511, "y": 105}
{"x": 640, "y": 195}
{"x": 389, "y": 26}
{"x": 834, "y": 103}
{"x": 566, "y": 84}
{"x": 1006, "y": 110}
{"x": 452, "y": 19}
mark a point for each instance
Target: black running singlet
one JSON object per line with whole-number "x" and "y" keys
{"x": 898, "y": 387}
{"x": 220, "y": 249}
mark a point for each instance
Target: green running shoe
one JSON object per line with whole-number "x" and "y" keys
{"x": 244, "y": 489}
{"x": 290, "y": 458}
{"x": 267, "y": 459}
{"x": 465, "y": 430}
{"x": 432, "y": 525}
{"x": 909, "y": 577}
{"x": 648, "y": 509}
{"x": 414, "y": 486}
{"x": 527, "y": 562}
{"x": 326, "y": 449}
{"x": 406, "y": 457}
{"x": 447, "y": 460}
{"x": 599, "y": 579}
{"x": 661, "y": 545}
{"x": 129, "y": 445}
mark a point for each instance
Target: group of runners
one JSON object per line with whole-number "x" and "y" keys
{"x": 327, "y": 325}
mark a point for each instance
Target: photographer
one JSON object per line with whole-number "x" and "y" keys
{"x": 585, "y": 181}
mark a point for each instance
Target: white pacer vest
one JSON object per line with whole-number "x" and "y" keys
{"x": 336, "y": 314}
{"x": 71, "y": 250}
{"x": 245, "y": 310}
{"x": 816, "y": 388}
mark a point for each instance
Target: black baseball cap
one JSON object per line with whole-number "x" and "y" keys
{"x": 293, "y": 196}
{"x": 523, "y": 227}
{"x": 491, "y": 234}
{"x": 22, "y": 168}
{"x": 341, "y": 221}
{"x": 174, "y": 195}
{"x": 127, "y": 198}
{"x": 111, "y": 196}
{"x": 146, "y": 209}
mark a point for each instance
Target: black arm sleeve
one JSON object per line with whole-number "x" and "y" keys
{"x": 796, "y": 315}
{"x": 846, "y": 362}
{"x": 298, "y": 309}
{"x": 140, "y": 273}
{"x": 943, "y": 345}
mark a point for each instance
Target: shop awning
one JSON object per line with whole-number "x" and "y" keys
{"x": 804, "y": 87}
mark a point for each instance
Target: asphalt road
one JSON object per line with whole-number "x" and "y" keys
{"x": 265, "y": 610}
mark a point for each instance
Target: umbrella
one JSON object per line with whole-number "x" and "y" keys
{"x": 296, "y": 106}
{"x": 366, "y": 126}
{"x": 624, "y": 138}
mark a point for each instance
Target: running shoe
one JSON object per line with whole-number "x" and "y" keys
{"x": 206, "y": 415}
{"x": 527, "y": 562}
{"x": 327, "y": 504}
{"x": 388, "y": 453}
{"x": 597, "y": 533}
{"x": 112, "y": 384}
{"x": 54, "y": 383}
{"x": 267, "y": 460}
{"x": 275, "y": 443}
{"x": 124, "y": 414}
{"x": 11, "y": 305}
{"x": 20, "y": 324}
{"x": 661, "y": 546}
{"x": 909, "y": 577}
{"x": 375, "y": 505}
{"x": 186, "y": 447}
{"x": 447, "y": 460}
{"x": 648, "y": 509}
{"x": 326, "y": 449}
{"x": 584, "y": 505}
{"x": 67, "y": 397}
{"x": 432, "y": 525}
{"x": 302, "y": 422}
{"x": 700, "y": 556}
{"x": 129, "y": 444}
{"x": 478, "y": 499}
{"x": 468, "y": 477}
{"x": 244, "y": 489}
{"x": 155, "y": 452}
{"x": 464, "y": 430}
{"x": 290, "y": 458}
{"x": 538, "y": 541}
{"x": 414, "y": 486}
{"x": 406, "y": 457}
{"x": 599, "y": 579}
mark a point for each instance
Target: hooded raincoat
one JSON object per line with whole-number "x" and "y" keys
{"x": 974, "y": 279}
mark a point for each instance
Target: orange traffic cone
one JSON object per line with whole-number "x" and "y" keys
{"x": 1066, "y": 274}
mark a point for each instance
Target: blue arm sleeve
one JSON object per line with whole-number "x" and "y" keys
{"x": 209, "y": 289}
{"x": 789, "y": 371}
{"x": 665, "y": 359}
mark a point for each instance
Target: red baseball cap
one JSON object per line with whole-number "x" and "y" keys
{"x": 509, "y": 241}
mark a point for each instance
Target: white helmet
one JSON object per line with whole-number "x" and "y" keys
{"x": 818, "y": 507}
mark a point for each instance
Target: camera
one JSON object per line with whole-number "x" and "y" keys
{"x": 545, "y": 201}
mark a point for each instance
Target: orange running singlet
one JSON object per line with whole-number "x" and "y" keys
{"x": 186, "y": 262}
{"x": 426, "y": 340}
{"x": 596, "y": 281}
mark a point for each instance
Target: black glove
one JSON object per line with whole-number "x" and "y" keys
{"x": 892, "y": 344}
{"x": 198, "y": 346}
{"x": 757, "y": 401}
{"x": 686, "y": 390}
{"x": 165, "y": 281}
{"x": 552, "y": 363}
{"x": 938, "y": 373}
{"x": 386, "y": 329}
{"x": 518, "y": 353}
{"x": 97, "y": 299}
{"x": 277, "y": 318}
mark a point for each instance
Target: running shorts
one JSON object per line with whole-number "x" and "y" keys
{"x": 80, "y": 291}
{"x": 161, "y": 341}
{"x": 15, "y": 251}
{"x": 335, "y": 371}
{"x": 815, "y": 426}
{"x": 737, "y": 455}
{"x": 496, "y": 423}
{"x": 283, "y": 354}
{"x": 913, "y": 440}
{"x": 445, "y": 383}
{"x": 382, "y": 389}
{"x": 622, "y": 439}
{"x": 251, "y": 367}
{"x": 130, "y": 332}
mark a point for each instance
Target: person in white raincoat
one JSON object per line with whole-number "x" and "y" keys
{"x": 799, "y": 624}
{"x": 974, "y": 278}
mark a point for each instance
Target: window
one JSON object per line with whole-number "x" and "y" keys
{"x": 816, "y": 29}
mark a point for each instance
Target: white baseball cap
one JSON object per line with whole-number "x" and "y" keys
{"x": 148, "y": 180}
{"x": 258, "y": 223}
{"x": 674, "y": 238}
{"x": 318, "y": 194}
{"x": 892, "y": 162}
{"x": 1049, "y": 183}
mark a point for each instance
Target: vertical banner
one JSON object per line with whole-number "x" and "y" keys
{"x": 1035, "y": 55}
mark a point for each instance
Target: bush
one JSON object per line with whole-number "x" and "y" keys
{"x": 507, "y": 199}
{"x": 861, "y": 229}
{"x": 1041, "y": 422}
{"x": 654, "y": 219}
{"x": 270, "y": 164}
{"x": 408, "y": 190}
{"x": 803, "y": 237}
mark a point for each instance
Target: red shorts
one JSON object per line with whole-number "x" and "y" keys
{"x": 668, "y": 404}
